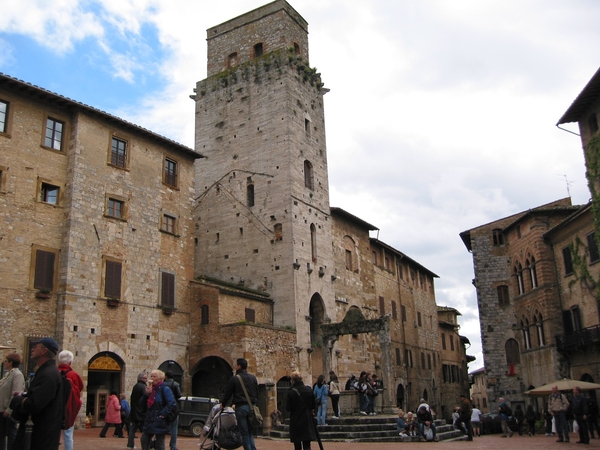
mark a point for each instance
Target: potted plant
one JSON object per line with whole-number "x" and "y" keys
{"x": 168, "y": 310}
{"x": 113, "y": 302}
{"x": 43, "y": 294}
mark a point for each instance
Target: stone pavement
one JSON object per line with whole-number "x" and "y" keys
{"x": 89, "y": 440}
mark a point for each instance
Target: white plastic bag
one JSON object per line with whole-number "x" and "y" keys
{"x": 575, "y": 426}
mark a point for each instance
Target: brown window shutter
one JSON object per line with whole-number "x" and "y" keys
{"x": 112, "y": 281}
{"x": 44, "y": 270}
{"x": 167, "y": 297}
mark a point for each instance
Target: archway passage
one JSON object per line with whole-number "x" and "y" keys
{"x": 175, "y": 369}
{"x": 316, "y": 311}
{"x": 105, "y": 371}
{"x": 400, "y": 396}
{"x": 211, "y": 376}
{"x": 283, "y": 386}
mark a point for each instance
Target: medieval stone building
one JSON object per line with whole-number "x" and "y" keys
{"x": 136, "y": 252}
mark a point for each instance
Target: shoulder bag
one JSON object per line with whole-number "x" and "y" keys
{"x": 255, "y": 417}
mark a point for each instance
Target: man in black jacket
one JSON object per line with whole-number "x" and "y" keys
{"x": 137, "y": 414}
{"x": 43, "y": 401}
{"x": 580, "y": 411}
{"x": 234, "y": 394}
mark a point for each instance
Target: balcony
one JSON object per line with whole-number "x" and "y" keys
{"x": 578, "y": 339}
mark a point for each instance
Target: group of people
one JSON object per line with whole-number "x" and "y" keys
{"x": 368, "y": 386}
{"x": 40, "y": 404}
{"x": 582, "y": 410}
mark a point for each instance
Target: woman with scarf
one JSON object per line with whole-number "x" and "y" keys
{"x": 158, "y": 400}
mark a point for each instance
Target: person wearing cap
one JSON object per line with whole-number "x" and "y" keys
{"x": 138, "y": 412}
{"x": 43, "y": 401}
{"x": 13, "y": 381}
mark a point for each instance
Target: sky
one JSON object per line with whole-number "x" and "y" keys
{"x": 441, "y": 115}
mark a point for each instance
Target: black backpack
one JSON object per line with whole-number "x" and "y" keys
{"x": 68, "y": 420}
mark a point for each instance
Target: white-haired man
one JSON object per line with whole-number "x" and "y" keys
{"x": 65, "y": 359}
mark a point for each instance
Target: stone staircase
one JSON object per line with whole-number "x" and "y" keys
{"x": 381, "y": 428}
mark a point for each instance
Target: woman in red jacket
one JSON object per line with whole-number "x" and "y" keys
{"x": 113, "y": 416}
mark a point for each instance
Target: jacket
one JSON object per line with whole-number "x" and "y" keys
{"x": 76, "y": 389}
{"x": 138, "y": 411}
{"x": 580, "y": 406}
{"x": 321, "y": 393}
{"x": 44, "y": 403}
{"x": 175, "y": 388}
{"x": 164, "y": 403}
{"x": 334, "y": 388}
{"x": 234, "y": 389}
{"x": 113, "y": 410}
{"x": 558, "y": 404}
{"x": 302, "y": 406}
{"x": 13, "y": 381}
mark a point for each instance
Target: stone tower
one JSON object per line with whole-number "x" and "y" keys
{"x": 262, "y": 209}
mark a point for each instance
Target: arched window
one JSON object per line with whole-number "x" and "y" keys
{"x": 539, "y": 323}
{"x": 518, "y": 271}
{"x": 204, "y": 319}
{"x": 526, "y": 336}
{"x": 498, "y": 237}
{"x": 313, "y": 242}
{"x": 513, "y": 355}
{"x": 532, "y": 271}
{"x": 308, "y": 175}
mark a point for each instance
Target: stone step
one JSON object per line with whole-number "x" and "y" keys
{"x": 369, "y": 429}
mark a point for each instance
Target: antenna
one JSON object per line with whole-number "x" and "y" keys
{"x": 568, "y": 183}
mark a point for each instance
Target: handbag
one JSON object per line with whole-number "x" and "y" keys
{"x": 255, "y": 417}
{"x": 230, "y": 437}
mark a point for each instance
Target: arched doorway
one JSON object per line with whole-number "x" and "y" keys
{"x": 105, "y": 371}
{"x": 400, "y": 396}
{"x": 283, "y": 386}
{"x": 210, "y": 377}
{"x": 175, "y": 369}
{"x": 316, "y": 311}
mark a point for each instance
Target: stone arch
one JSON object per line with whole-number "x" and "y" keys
{"x": 316, "y": 311}
{"x": 210, "y": 377}
{"x": 283, "y": 386}
{"x": 400, "y": 396}
{"x": 173, "y": 367}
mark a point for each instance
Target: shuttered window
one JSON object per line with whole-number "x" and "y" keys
{"x": 167, "y": 291}
{"x": 44, "y": 270}
{"x": 112, "y": 279}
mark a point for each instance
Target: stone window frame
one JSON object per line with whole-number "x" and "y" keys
{"x": 498, "y": 237}
{"x": 7, "y": 115}
{"x": 114, "y": 158}
{"x": 112, "y": 277}
{"x": 44, "y": 185}
{"x": 250, "y": 315}
{"x": 313, "y": 242}
{"x": 503, "y": 295}
{"x": 258, "y": 50}
{"x": 117, "y": 199}
{"x": 511, "y": 349}
{"x": 167, "y": 288}
{"x": 64, "y": 134}
{"x": 37, "y": 252}
{"x": 309, "y": 175}
{"x": 169, "y": 223}
{"x": 170, "y": 172}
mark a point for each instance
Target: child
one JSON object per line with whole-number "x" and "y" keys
{"x": 401, "y": 424}
{"x": 411, "y": 424}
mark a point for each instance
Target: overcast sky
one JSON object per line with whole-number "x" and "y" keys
{"x": 441, "y": 115}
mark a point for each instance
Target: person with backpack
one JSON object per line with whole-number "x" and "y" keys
{"x": 427, "y": 427}
{"x": 73, "y": 402}
{"x": 138, "y": 411}
{"x": 125, "y": 411}
{"x": 558, "y": 406}
{"x": 320, "y": 390}
{"x": 505, "y": 412}
{"x": 174, "y": 385}
{"x": 43, "y": 402}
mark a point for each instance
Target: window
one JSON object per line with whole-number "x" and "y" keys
{"x": 348, "y": 260}
{"x": 313, "y": 242}
{"x": 498, "y": 237}
{"x": 567, "y": 260}
{"x": 45, "y": 267}
{"x": 296, "y": 48}
{"x": 168, "y": 223}
{"x": 518, "y": 271}
{"x": 170, "y": 174}
{"x": 204, "y": 319}
{"x": 250, "y": 195}
{"x": 572, "y": 319}
{"x": 374, "y": 257}
{"x": 49, "y": 193}
{"x": 349, "y": 246}
{"x": 399, "y": 269}
{"x": 419, "y": 319}
{"x": 398, "y": 360}
{"x": 403, "y": 311}
{"x": 502, "y": 295}
{"x": 408, "y": 361}
{"x": 308, "y": 175}
{"x": 592, "y": 247}
{"x": 422, "y": 360}
{"x": 167, "y": 289}
{"x": 512, "y": 352}
{"x": 112, "y": 279}
{"x": 3, "y": 116}
{"x": 532, "y": 271}
{"x": 54, "y": 134}
{"x": 526, "y": 336}
{"x": 307, "y": 128}
{"x": 258, "y": 50}
{"x": 386, "y": 263}
{"x": 250, "y": 315}
{"x": 115, "y": 208}
{"x": 539, "y": 323}
{"x": 231, "y": 60}
{"x": 118, "y": 154}
{"x": 443, "y": 341}
{"x": 451, "y": 343}
{"x": 277, "y": 229}
{"x": 428, "y": 361}
{"x": 381, "y": 306}
{"x": 394, "y": 311}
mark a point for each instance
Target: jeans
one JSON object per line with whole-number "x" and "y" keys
{"x": 133, "y": 428}
{"x": 68, "y": 438}
{"x": 241, "y": 414}
{"x": 8, "y": 432}
{"x": 562, "y": 428}
{"x": 364, "y": 402}
{"x": 322, "y": 413}
{"x": 504, "y": 424}
{"x": 422, "y": 429}
{"x": 118, "y": 429}
{"x": 173, "y": 440}
{"x": 159, "y": 443}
